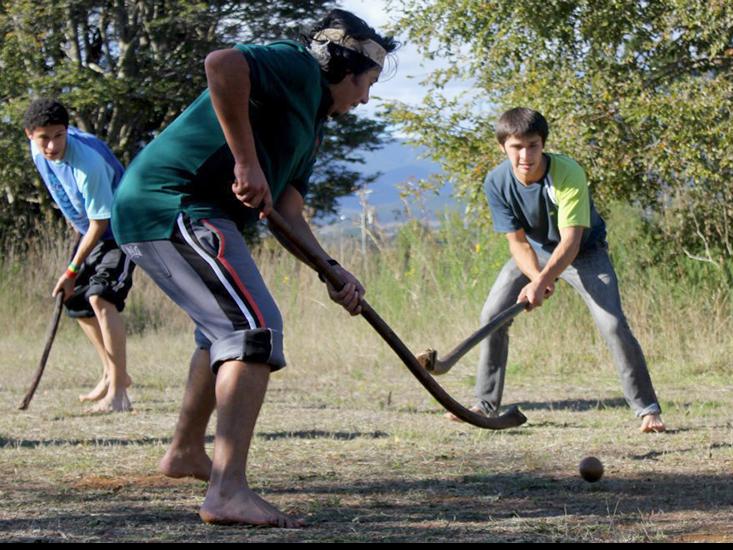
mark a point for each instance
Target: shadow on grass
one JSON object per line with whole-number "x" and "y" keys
{"x": 654, "y": 455}
{"x": 573, "y": 405}
{"x": 485, "y": 499}
{"x": 496, "y": 507}
{"x": 319, "y": 434}
{"x": 96, "y": 442}
{"x": 109, "y": 442}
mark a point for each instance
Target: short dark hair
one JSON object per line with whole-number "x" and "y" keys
{"x": 343, "y": 60}
{"x": 45, "y": 112}
{"x": 521, "y": 122}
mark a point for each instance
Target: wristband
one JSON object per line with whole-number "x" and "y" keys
{"x": 72, "y": 270}
{"x": 330, "y": 261}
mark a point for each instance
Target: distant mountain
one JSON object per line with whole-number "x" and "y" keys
{"x": 399, "y": 164}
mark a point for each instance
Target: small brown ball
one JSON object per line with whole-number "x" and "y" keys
{"x": 591, "y": 469}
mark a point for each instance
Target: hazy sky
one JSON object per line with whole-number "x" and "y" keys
{"x": 405, "y": 84}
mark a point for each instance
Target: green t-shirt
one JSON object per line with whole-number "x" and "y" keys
{"x": 189, "y": 167}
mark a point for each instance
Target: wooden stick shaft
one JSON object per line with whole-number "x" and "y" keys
{"x": 443, "y": 365}
{"x": 511, "y": 418}
{"x": 50, "y": 335}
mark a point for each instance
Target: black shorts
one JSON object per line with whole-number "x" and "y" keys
{"x": 106, "y": 273}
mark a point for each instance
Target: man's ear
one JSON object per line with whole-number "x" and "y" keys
{"x": 28, "y": 133}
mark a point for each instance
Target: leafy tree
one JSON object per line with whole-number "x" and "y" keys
{"x": 127, "y": 68}
{"x": 639, "y": 92}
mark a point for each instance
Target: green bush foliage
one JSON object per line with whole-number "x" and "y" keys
{"x": 640, "y": 93}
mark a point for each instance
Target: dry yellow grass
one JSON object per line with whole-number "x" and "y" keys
{"x": 351, "y": 442}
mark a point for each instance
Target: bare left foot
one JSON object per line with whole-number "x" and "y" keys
{"x": 244, "y": 507}
{"x": 652, "y": 423}
{"x": 100, "y": 390}
{"x": 112, "y": 403}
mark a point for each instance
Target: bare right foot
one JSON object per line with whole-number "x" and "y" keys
{"x": 100, "y": 390}
{"x": 112, "y": 404}
{"x": 186, "y": 463}
{"x": 652, "y": 423}
{"x": 244, "y": 507}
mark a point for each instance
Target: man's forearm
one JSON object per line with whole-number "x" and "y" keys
{"x": 89, "y": 241}
{"x": 563, "y": 255}
{"x": 526, "y": 259}
{"x": 301, "y": 228}
{"x": 561, "y": 258}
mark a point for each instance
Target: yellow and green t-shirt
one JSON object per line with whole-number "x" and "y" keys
{"x": 560, "y": 199}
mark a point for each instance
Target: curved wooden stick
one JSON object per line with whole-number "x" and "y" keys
{"x": 510, "y": 419}
{"x": 50, "y": 335}
{"x": 429, "y": 358}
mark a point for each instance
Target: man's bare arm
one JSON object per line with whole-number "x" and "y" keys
{"x": 96, "y": 229}
{"x": 228, "y": 77}
{"x": 290, "y": 206}
{"x": 565, "y": 252}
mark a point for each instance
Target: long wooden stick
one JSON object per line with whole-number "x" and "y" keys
{"x": 50, "y": 335}
{"x": 510, "y": 419}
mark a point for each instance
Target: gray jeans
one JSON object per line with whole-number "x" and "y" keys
{"x": 593, "y": 277}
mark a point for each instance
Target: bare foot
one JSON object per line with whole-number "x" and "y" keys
{"x": 652, "y": 423}
{"x": 100, "y": 390}
{"x": 246, "y": 508}
{"x": 112, "y": 403}
{"x": 186, "y": 463}
{"x": 454, "y": 418}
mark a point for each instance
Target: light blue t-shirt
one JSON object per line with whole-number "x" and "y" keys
{"x": 82, "y": 184}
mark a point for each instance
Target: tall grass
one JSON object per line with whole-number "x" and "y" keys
{"x": 430, "y": 285}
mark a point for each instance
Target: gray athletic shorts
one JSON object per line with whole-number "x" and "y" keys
{"x": 207, "y": 269}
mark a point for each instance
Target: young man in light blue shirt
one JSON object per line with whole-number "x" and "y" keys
{"x": 81, "y": 174}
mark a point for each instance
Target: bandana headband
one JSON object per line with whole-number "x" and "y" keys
{"x": 367, "y": 48}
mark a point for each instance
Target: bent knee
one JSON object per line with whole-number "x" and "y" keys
{"x": 613, "y": 327}
{"x": 262, "y": 345}
{"x": 98, "y": 303}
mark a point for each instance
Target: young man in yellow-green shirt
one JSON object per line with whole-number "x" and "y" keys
{"x": 542, "y": 203}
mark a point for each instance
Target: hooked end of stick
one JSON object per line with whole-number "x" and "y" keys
{"x": 426, "y": 359}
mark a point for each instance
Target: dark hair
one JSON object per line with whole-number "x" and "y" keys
{"x": 521, "y": 122}
{"x": 45, "y": 112}
{"x": 342, "y": 60}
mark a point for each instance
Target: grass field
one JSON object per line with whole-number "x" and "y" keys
{"x": 350, "y": 441}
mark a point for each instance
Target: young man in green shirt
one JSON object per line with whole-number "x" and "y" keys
{"x": 542, "y": 203}
{"x": 246, "y": 146}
